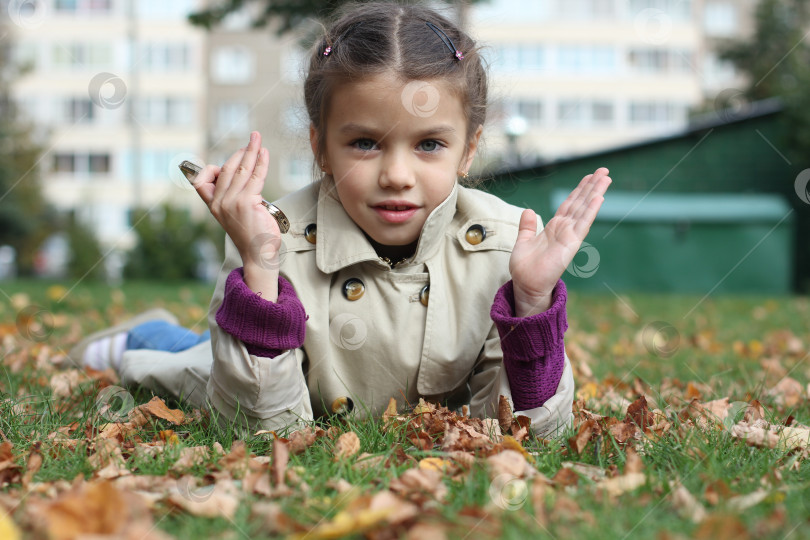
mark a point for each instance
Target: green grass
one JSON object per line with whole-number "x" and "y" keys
{"x": 608, "y": 328}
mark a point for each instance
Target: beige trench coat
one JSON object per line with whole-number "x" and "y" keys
{"x": 384, "y": 344}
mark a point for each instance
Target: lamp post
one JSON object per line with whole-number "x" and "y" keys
{"x": 516, "y": 127}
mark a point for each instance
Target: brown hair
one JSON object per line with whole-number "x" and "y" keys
{"x": 378, "y": 37}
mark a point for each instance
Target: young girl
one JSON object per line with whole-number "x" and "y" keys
{"x": 393, "y": 280}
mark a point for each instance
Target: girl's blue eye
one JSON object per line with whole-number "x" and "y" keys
{"x": 364, "y": 144}
{"x": 429, "y": 146}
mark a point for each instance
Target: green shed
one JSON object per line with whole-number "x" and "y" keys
{"x": 711, "y": 209}
{"x": 697, "y": 243}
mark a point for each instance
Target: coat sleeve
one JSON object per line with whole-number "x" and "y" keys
{"x": 528, "y": 341}
{"x": 257, "y": 391}
{"x": 489, "y": 381}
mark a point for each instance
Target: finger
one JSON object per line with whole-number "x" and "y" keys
{"x": 565, "y": 207}
{"x": 597, "y": 191}
{"x": 578, "y": 204}
{"x": 226, "y": 174}
{"x": 244, "y": 170}
{"x": 527, "y": 229}
{"x": 256, "y": 180}
{"x": 205, "y": 182}
{"x": 584, "y": 222}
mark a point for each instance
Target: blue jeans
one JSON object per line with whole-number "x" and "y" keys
{"x": 164, "y": 336}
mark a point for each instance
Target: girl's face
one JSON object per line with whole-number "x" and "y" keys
{"x": 394, "y": 149}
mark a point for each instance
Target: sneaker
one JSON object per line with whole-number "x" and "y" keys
{"x": 105, "y": 348}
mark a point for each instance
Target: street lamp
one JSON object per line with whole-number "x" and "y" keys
{"x": 516, "y": 127}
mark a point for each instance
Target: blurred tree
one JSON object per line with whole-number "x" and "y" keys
{"x": 167, "y": 247}
{"x": 292, "y": 13}
{"x": 86, "y": 259}
{"x": 776, "y": 60}
{"x": 25, "y": 218}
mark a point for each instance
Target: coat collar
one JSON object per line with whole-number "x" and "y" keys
{"x": 342, "y": 243}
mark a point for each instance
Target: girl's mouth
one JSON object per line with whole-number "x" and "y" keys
{"x": 395, "y": 213}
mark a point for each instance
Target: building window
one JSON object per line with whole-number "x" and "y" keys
{"x": 583, "y": 113}
{"x": 602, "y": 112}
{"x": 532, "y": 111}
{"x": 586, "y": 59}
{"x": 297, "y": 174}
{"x": 657, "y": 113}
{"x": 78, "y": 163}
{"x": 79, "y": 111}
{"x": 232, "y": 65}
{"x": 163, "y": 9}
{"x": 656, "y": 60}
{"x": 586, "y": 9}
{"x": 165, "y": 57}
{"x": 720, "y": 19}
{"x": 518, "y": 58}
{"x": 677, "y": 10}
{"x": 78, "y": 56}
{"x": 232, "y": 118}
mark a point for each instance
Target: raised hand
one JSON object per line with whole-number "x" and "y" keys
{"x": 539, "y": 260}
{"x": 233, "y": 194}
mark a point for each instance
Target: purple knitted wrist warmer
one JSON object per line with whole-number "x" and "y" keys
{"x": 533, "y": 351}
{"x": 266, "y": 328}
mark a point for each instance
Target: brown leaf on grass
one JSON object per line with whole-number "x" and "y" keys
{"x": 721, "y": 526}
{"x": 787, "y": 393}
{"x": 217, "y": 500}
{"x": 623, "y": 431}
{"x": 32, "y": 465}
{"x": 762, "y": 435}
{"x": 504, "y": 414}
{"x": 427, "y": 531}
{"x": 509, "y": 462}
{"x": 755, "y": 411}
{"x": 619, "y": 485}
{"x": 347, "y": 445}
{"x": 639, "y": 413}
{"x": 95, "y": 508}
{"x": 107, "y": 460}
{"x": 586, "y": 430}
{"x": 420, "y": 440}
{"x": 237, "y": 460}
{"x": 398, "y": 509}
{"x": 565, "y": 477}
{"x": 278, "y": 464}
{"x": 304, "y": 438}
{"x": 685, "y": 503}
{"x": 190, "y": 457}
{"x": 740, "y": 503}
{"x": 390, "y": 411}
{"x": 157, "y": 407}
{"x": 632, "y": 463}
{"x": 10, "y": 472}
{"x": 419, "y": 485}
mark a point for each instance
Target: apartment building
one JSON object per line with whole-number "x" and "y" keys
{"x": 573, "y": 76}
{"x": 124, "y": 89}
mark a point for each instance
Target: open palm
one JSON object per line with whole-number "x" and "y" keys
{"x": 539, "y": 260}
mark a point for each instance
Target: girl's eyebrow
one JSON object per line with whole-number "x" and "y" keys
{"x": 352, "y": 127}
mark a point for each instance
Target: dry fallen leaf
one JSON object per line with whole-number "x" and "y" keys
{"x": 217, "y": 500}
{"x": 686, "y": 504}
{"x": 347, "y": 445}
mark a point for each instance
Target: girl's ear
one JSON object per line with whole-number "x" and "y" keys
{"x": 313, "y": 142}
{"x": 472, "y": 147}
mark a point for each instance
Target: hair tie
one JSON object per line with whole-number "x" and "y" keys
{"x": 446, "y": 40}
{"x": 329, "y": 48}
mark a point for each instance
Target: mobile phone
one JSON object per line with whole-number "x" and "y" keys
{"x": 191, "y": 170}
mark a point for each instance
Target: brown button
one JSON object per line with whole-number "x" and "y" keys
{"x": 342, "y": 405}
{"x": 476, "y": 234}
{"x": 353, "y": 289}
{"x": 424, "y": 295}
{"x": 311, "y": 233}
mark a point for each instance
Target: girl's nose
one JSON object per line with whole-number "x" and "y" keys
{"x": 396, "y": 173}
